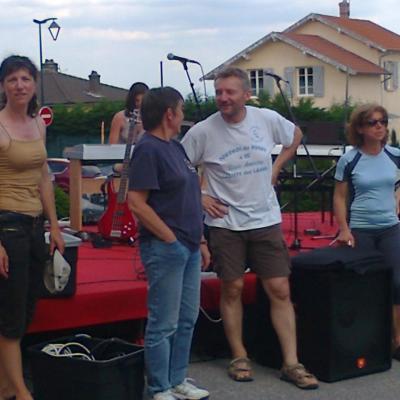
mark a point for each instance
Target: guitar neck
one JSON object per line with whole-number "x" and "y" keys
{"x": 121, "y": 197}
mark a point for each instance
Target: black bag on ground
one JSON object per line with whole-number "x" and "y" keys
{"x": 115, "y": 372}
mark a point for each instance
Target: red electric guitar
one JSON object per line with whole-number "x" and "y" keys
{"x": 117, "y": 222}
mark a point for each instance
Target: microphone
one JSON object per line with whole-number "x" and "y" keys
{"x": 184, "y": 60}
{"x": 276, "y": 77}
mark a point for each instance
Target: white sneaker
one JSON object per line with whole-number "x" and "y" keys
{"x": 167, "y": 395}
{"x": 188, "y": 391}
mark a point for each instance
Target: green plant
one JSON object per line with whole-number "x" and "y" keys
{"x": 207, "y": 108}
{"x": 81, "y": 119}
{"x": 62, "y": 202}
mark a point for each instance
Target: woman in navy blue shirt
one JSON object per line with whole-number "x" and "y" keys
{"x": 164, "y": 194}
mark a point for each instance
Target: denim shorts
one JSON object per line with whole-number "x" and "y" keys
{"x": 23, "y": 238}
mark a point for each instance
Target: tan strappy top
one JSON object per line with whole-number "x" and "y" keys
{"x": 20, "y": 175}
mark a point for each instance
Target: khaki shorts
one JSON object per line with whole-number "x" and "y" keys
{"x": 262, "y": 250}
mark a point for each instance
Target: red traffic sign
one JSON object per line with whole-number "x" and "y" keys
{"x": 47, "y": 115}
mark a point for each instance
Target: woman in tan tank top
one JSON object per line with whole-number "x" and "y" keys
{"x": 26, "y": 193}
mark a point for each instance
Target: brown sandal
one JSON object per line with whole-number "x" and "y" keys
{"x": 299, "y": 376}
{"x": 240, "y": 370}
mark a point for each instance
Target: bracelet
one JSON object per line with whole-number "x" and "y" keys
{"x": 203, "y": 242}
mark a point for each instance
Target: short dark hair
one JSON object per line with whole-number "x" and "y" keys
{"x": 156, "y": 103}
{"x": 136, "y": 89}
{"x": 12, "y": 64}
{"x": 359, "y": 118}
{"x": 234, "y": 72}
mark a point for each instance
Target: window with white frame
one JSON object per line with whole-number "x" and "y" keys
{"x": 256, "y": 81}
{"x": 305, "y": 81}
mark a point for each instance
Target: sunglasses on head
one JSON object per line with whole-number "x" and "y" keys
{"x": 374, "y": 122}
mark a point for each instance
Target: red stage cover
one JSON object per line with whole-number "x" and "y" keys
{"x": 109, "y": 290}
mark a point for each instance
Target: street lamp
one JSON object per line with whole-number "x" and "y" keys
{"x": 54, "y": 30}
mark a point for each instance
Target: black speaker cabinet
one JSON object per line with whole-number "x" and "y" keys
{"x": 343, "y": 302}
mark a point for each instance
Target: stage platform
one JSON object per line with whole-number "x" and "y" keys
{"x": 111, "y": 289}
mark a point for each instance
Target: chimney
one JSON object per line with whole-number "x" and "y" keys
{"x": 50, "y": 66}
{"x": 344, "y": 8}
{"x": 94, "y": 82}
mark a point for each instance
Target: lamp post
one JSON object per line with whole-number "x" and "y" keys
{"x": 54, "y": 30}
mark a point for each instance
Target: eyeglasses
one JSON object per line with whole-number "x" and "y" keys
{"x": 374, "y": 122}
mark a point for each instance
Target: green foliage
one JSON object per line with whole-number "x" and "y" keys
{"x": 82, "y": 120}
{"x": 306, "y": 111}
{"x": 62, "y": 202}
{"x": 79, "y": 123}
{"x": 338, "y": 112}
{"x": 207, "y": 107}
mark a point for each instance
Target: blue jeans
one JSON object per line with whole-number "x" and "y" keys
{"x": 173, "y": 301}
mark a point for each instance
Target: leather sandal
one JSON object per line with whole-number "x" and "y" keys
{"x": 299, "y": 376}
{"x": 240, "y": 370}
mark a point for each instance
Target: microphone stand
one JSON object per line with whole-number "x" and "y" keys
{"x": 296, "y": 245}
{"x": 196, "y": 99}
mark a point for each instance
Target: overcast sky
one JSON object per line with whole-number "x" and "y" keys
{"x": 125, "y": 40}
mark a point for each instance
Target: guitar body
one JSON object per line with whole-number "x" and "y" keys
{"x": 117, "y": 222}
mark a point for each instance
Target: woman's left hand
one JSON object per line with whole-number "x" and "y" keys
{"x": 205, "y": 256}
{"x": 56, "y": 240}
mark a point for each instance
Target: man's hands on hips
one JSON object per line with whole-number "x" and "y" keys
{"x": 214, "y": 207}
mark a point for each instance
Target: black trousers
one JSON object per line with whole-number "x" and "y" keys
{"x": 23, "y": 238}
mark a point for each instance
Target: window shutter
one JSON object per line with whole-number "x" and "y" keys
{"x": 391, "y": 82}
{"x": 318, "y": 75}
{"x": 289, "y": 76}
{"x": 388, "y": 81}
{"x": 269, "y": 82}
{"x": 395, "y": 75}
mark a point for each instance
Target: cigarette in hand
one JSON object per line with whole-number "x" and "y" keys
{"x": 333, "y": 242}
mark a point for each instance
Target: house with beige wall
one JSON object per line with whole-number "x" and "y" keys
{"x": 329, "y": 59}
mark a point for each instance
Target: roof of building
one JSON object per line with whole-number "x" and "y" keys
{"x": 366, "y": 31}
{"x": 314, "y": 46}
{"x": 60, "y": 88}
{"x": 333, "y": 54}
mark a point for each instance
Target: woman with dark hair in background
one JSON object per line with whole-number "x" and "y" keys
{"x": 365, "y": 202}
{"x": 26, "y": 192}
{"x": 120, "y": 121}
{"x": 164, "y": 194}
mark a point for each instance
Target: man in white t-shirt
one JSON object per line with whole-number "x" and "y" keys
{"x": 234, "y": 147}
